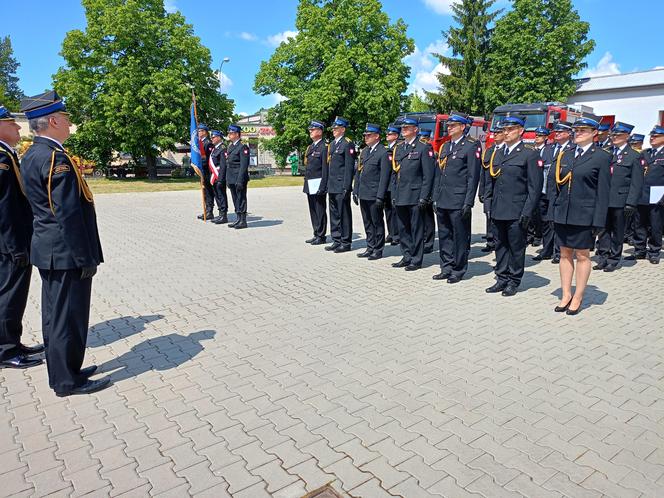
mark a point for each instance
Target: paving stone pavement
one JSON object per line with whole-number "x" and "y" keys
{"x": 248, "y": 364}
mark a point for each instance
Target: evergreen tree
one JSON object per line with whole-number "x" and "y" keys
{"x": 10, "y": 93}
{"x": 464, "y": 89}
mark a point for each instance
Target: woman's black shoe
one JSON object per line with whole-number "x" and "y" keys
{"x": 574, "y": 312}
{"x": 560, "y": 309}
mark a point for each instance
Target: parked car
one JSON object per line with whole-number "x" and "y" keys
{"x": 139, "y": 168}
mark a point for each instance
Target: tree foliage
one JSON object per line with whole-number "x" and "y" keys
{"x": 347, "y": 60}
{"x": 10, "y": 93}
{"x": 418, "y": 104}
{"x": 128, "y": 80}
{"x": 464, "y": 89}
{"x": 536, "y": 50}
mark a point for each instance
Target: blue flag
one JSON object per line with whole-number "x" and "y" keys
{"x": 195, "y": 144}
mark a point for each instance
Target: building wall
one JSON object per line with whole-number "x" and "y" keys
{"x": 641, "y": 107}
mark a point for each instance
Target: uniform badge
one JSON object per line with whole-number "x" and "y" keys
{"x": 477, "y": 153}
{"x": 4, "y": 166}
{"x": 430, "y": 153}
{"x": 352, "y": 151}
{"x": 540, "y": 163}
{"x": 61, "y": 168}
{"x": 246, "y": 151}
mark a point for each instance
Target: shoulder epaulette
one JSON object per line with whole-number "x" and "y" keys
{"x": 529, "y": 146}
{"x": 471, "y": 139}
{"x": 347, "y": 139}
{"x": 607, "y": 148}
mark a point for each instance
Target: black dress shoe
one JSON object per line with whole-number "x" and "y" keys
{"x": 428, "y": 250}
{"x": 497, "y": 287}
{"x": 90, "y": 386}
{"x": 561, "y": 309}
{"x": 318, "y": 241}
{"x": 208, "y": 217}
{"x": 654, "y": 261}
{"x": 454, "y": 279}
{"x": 413, "y": 267}
{"x": 539, "y": 257}
{"x": 536, "y": 242}
{"x": 555, "y": 260}
{"x": 572, "y": 312}
{"x": 333, "y": 246}
{"x": 634, "y": 257}
{"x": 400, "y": 264}
{"x": 364, "y": 254}
{"x": 599, "y": 266}
{"x": 20, "y": 361}
{"x": 28, "y": 350}
{"x": 487, "y": 249}
{"x": 610, "y": 268}
{"x": 200, "y": 216}
{"x": 509, "y": 291}
{"x": 443, "y": 275}
{"x": 341, "y": 249}
{"x": 388, "y": 239}
{"x": 88, "y": 371}
{"x": 311, "y": 240}
{"x": 375, "y": 256}
{"x": 220, "y": 220}
{"x": 395, "y": 242}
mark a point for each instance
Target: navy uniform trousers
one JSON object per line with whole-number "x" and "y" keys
{"x": 429, "y": 217}
{"x": 221, "y": 197}
{"x": 341, "y": 219}
{"x": 374, "y": 225}
{"x": 239, "y": 197}
{"x": 649, "y": 231}
{"x": 14, "y": 288}
{"x": 610, "y": 240}
{"x": 510, "y": 251}
{"x": 411, "y": 231}
{"x": 391, "y": 218}
{"x": 454, "y": 241}
{"x": 318, "y": 214}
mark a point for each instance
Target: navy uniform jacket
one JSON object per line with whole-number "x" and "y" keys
{"x": 341, "y": 163}
{"x": 458, "y": 174}
{"x": 315, "y": 160}
{"x": 516, "y": 191}
{"x": 218, "y": 156}
{"x": 207, "y": 147}
{"x": 586, "y": 201}
{"x": 414, "y": 165}
{"x": 654, "y": 173}
{"x": 626, "y": 178}
{"x": 485, "y": 179}
{"x": 15, "y": 212}
{"x": 392, "y": 183}
{"x": 373, "y": 178}
{"x": 65, "y": 224}
{"x": 237, "y": 163}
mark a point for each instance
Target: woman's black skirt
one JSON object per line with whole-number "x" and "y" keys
{"x": 574, "y": 236}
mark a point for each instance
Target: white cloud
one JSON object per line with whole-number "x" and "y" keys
{"x": 605, "y": 67}
{"x": 425, "y": 66}
{"x": 248, "y": 36}
{"x": 276, "y": 39}
{"x": 170, "y": 6}
{"x": 242, "y": 113}
{"x": 277, "y": 98}
{"x": 440, "y": 6}
{"x": 226, "y": 82}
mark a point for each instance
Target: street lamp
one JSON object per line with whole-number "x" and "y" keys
{"x": 226, "y": 59}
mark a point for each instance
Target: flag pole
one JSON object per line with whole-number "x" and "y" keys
{"x": 200, "y": 176}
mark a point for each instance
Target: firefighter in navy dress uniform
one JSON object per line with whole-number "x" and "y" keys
{"x": 208, "y": 188}
{"x": 65, "y": 244}
{"x": 341, "y": 168}
{"x": 414, "y": 163}
{"x": 218, "y": 159}
{"x": 429, "y": 213}
{"x": 315, "y": 162}
{"x": 489, "y": 155}
{"x": 391, "y": 137}
{"x": 583, "y": 180}
{"x": 626, "y": 185}
{"x": 15, "y": 234}
{"x": 237, "y": 174}
{"x": 648, "y": 232}
{"x": 457, "y": 178}
{"x": 371, "y": 182}
{"x": 514, "y": 191}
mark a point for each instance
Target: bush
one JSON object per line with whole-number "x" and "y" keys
{"x": 177, "y": 173}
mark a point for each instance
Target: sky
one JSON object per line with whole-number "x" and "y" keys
{"x": 247, "y": 32}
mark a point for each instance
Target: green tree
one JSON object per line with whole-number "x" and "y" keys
{"x": 464, "y": 89}
{"x": 537, "y": 49}
{"x": 128, "y": 80}
{"x": 347, "y": 60}
{"x": 418, "y": 104}
{"x": 10, "y": 93}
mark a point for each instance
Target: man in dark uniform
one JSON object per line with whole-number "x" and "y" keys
{"x": 371, "y": 182}
{"x": 651, "y": 216}
{"x": 208, "y": 188}
{"x": 626, "y": 186}
{"x": 429, "y": 213}
{"x": 536, "y": 224}
{"x": 514, "y": 192}
{"x": 414, "y": 163}
{"x": 562, "y": 132}
{"x": 315, "y": 161}
{"x": 457, "y": 178}
{"x": 487, "y": 157}
{"x": 237, "y": 174}
{"x": 341, "y": 162}
{"x": 218, "y": 163}
{"x": 65, "y": 244}
{"x": 635, "y": 141}
{"x": 391, "y": 136}
{"x": 603, "y": 139}
{"x": 15, "y": 233}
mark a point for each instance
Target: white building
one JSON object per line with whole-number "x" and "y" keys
{"x": 634, "y": 98}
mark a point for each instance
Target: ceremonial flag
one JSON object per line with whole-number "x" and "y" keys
{"x": 195, "y": 143}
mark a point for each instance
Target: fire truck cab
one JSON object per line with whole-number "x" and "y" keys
{"x": 437, "y": 124}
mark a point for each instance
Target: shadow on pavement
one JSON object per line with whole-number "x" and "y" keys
{"x": 159, "y": 353}
{"x": 119, "y": 328}
{"x": 592, "y": 296}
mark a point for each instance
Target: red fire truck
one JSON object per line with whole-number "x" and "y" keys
{"x": 437, "y": 124}
{"x": 542, "y": 114}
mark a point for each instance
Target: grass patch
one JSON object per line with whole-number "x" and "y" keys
{"x": 126, "y": 185}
